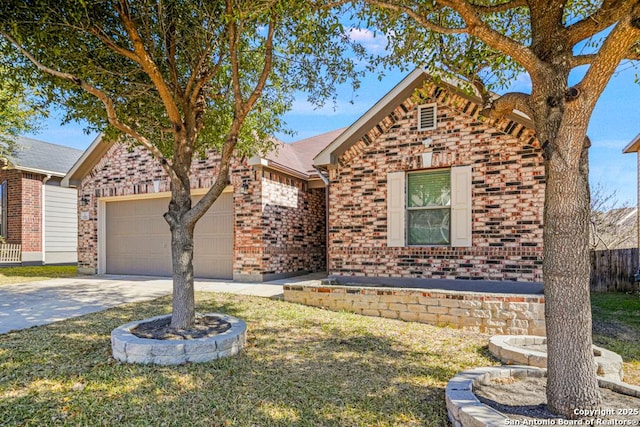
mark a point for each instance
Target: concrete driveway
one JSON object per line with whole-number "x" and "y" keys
{"x": 38, "y": 303}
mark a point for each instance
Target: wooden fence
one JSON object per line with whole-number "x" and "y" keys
{"x": 10, "y": 252}
{"x": 613, "y": 270}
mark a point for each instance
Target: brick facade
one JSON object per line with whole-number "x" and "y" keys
{"x": 279, "y": 223}
{"x": 24, "y": 209}
{"x": 507, "y": 195}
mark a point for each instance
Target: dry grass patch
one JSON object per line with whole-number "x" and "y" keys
{"x": 10, "y": 275}
{"x": 303, "y": 366}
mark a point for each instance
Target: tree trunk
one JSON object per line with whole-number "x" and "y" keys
{"x": 183, "y": 315}
{"x": 571, "y": 375}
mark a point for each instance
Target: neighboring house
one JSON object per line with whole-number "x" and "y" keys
{"x": 36, "y": 212}
{"x": 419, "y": 187}
{"x": 634, "y": 147}
{"x": 614, "y": 229}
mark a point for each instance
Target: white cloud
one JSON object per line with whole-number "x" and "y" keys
{"x": 373, "y": 42}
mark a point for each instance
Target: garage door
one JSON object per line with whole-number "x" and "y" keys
{"x": 139, "y": 242}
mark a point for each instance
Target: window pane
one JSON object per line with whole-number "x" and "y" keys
{"x": 429, "y": 227}
{"x": 428, "y": 189}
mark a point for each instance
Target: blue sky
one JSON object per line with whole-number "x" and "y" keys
{"x": 615, "y": 122}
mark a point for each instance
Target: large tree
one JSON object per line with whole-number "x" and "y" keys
{"x": 180, "y": 78}
{"x": 490, "y": 42}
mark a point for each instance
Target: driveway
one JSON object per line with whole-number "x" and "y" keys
{"x": 38, "y": 303}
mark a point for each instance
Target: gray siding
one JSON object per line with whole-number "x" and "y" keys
{"x": 60, "y": 224}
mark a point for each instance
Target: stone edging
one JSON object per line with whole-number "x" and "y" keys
{"x": 465, "y": 410}
{"x": 129, "y": 348}
{"x": 492, "y": 313}
{"x": 511, "y": 349}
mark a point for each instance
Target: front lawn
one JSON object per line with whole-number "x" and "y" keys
{"x": 616, "y": 326}
{"x": 303, "y": 366}
{"x": 9, "y": 275}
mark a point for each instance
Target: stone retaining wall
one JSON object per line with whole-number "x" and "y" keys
{"x": 478, "y": 311}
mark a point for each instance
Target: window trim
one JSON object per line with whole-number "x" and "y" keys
{"x": 408, "y": 208}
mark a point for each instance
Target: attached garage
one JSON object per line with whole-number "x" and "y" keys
{"x": 138, "y": 240}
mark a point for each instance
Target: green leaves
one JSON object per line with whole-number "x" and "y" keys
{"x": 151, "y": 59}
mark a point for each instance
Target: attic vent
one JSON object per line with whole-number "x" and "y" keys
{"x": 427, "y": 117}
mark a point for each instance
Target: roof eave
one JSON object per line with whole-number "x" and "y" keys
{"x": 400, "y": 92}
{"x": 38, "y": 171}
{"x": 86, "y": 162}
{"x": 270, "y": 164}
{"x": 633, "y": 146}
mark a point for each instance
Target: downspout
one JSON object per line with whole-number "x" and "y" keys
{"x": 43, "y": 243}
{"x": 326, "y": 214}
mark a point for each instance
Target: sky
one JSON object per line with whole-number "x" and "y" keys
{"x": 614, "y": 123}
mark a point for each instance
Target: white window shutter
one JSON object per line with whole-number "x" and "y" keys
{"x": 461, "y": 206}
{"x": 395, "y": 209}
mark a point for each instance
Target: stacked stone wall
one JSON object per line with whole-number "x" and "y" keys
{"x": 481, "y": 312}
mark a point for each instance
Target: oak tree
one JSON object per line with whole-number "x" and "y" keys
{"x": 178, "y": 77}
{"x": 490, "y": 42}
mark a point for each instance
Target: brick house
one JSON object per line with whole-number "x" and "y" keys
{"x": 418, "y": 187}
{"x": 35, "y": 211}
{"x": 269, "y": 223}
{"x": 421, "y": 188}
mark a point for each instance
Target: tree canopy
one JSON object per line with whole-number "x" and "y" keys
{"x": 178, "y": 77}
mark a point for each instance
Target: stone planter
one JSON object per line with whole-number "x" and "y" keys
{"x": 529, "y": 350}
{"x": 129, "y": 348}
{"x": 465, "y": 409}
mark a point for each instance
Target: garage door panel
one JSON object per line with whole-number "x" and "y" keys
{"x": 138, "y": 240}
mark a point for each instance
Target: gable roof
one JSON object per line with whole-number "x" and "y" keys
{"x": 633, "y": 146}
{"x": 298, "y": 156}
{"x": 294, "y": 158}
{"x": 386, "y": 105}
{"x": 32, "y": 155}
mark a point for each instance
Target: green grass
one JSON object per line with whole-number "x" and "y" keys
{"x": 616, "y": 320}
{"x": 9, "y": 275}
{"x": 303, "y": 366}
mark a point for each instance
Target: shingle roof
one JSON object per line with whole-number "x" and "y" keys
{"x": 299, "y": 155}
{"x": 44, "y": 156}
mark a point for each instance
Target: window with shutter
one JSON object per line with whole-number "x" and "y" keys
{"x": 427, "y": 117}
{"x": 429, "y": 207}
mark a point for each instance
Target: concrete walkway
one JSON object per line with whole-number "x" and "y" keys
{"x": 38, "y": 303}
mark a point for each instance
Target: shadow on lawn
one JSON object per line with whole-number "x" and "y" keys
{"x": 301, "y": 366}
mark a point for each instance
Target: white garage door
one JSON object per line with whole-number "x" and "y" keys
{"x": 139, "y": 242}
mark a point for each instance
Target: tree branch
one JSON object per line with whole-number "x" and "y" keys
{"x": 169, "y": 30}
{"x": 614, "y": 49}
{"x": 506, "y": 104}
{"x": 496, "y": 8}
{"x": 112, "y": 116}
{"x": 608, "y": 14}
{"x": 148, "y": 65}
{"x": 416, "y": 17}
{"x": 475, "y": 26}
{"x": 266, "y": 69}
{"x": 235, "y": 68}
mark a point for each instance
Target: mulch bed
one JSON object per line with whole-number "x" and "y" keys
{"x": 205, "y": 326}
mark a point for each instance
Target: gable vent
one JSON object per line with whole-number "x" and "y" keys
{"x": 427, "y": 117}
